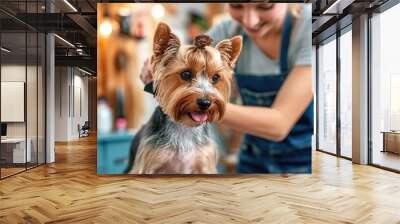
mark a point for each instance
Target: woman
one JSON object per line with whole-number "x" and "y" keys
{"x": 273, "y": 74}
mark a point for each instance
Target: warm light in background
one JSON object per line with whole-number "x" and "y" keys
{"x": 106, "y": 28}
{"x": 123, "y": 11}
{"x": 158, "y": 11}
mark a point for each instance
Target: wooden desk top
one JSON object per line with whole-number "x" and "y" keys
{"x": 14, "y": 140}
{"x": 391, "y": 132}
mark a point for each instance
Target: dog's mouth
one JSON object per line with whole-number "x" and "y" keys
{"x": 199, "y": 117}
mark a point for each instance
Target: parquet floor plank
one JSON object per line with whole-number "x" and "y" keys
{"x": 70, "y": 191}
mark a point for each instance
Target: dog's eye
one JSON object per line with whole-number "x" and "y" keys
{"x": 186, "y": 75}
{"x": 215, "y": 78}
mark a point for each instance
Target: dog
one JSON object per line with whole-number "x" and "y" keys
{"x": 192, "y": 85}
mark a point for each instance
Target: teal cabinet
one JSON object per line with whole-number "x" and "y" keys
{"x": 113, "y": 151}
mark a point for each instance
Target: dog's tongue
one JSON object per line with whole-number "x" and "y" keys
{"x": 199, "y": 117}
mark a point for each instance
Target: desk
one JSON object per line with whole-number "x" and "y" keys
{"x": 16, "y": 148}
{"x": 391, "y": 141}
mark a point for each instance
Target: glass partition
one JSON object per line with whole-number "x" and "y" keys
{"x": 14, "y": 153}
{"x": 346, "y": 94}
{"x": 22, "y": 88}
{"x": 32, "y": 96}
{"x": 41, "y": 91}
{"x": 385, "y": 89}
{"x": 327, "y": 96}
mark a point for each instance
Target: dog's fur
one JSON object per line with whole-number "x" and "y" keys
{"x": 176, "y": 140}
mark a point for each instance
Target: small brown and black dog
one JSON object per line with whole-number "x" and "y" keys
{"x": 192, "y": 84}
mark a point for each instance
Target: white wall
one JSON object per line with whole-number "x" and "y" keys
{"x": 80, "y": 85}
{"x": 12, "y": 73}
{"x": 61, "y": 103}
{"x": 71, "y": 87}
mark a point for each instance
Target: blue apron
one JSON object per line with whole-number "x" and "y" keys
{"x": 258, "y": 155}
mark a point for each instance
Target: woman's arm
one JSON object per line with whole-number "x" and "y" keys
{"x": 275, "y": 122}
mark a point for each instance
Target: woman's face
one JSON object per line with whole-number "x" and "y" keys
{"x": 257, "y": 19}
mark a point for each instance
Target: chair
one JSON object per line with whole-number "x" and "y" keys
{"x": 84, "y": 130}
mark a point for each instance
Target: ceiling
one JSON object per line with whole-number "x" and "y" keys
{"x": 72, "y": 20}
{"x": 329, "y": 15}
{"x": 75, "y": 21}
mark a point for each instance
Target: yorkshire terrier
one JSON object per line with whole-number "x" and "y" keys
{"x": 192, "y": 85}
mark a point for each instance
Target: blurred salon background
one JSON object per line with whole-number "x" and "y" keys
{"x": 125, "y": 32}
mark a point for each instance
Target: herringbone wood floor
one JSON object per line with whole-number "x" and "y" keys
{"x": 70, "y": 191}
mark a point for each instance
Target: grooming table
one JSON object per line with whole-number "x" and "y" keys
{"x": 113, "y": 152}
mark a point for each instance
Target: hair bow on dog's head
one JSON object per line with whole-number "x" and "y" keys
{"x": 201, "y": 41}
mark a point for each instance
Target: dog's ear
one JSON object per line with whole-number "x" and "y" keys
{"x": 230, "y": 49}
{"x": 165, "y": 43}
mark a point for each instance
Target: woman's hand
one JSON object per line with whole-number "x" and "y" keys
{"x": 145, "y": 73}
{"x": 275, "y": 122}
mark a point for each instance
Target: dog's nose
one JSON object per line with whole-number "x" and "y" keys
{"x": 204, "y": 103}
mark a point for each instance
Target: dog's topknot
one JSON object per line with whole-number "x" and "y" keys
{"x": 201, "y": 41}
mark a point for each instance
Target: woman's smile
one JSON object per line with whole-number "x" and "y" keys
{"x": 254, "y": 29}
